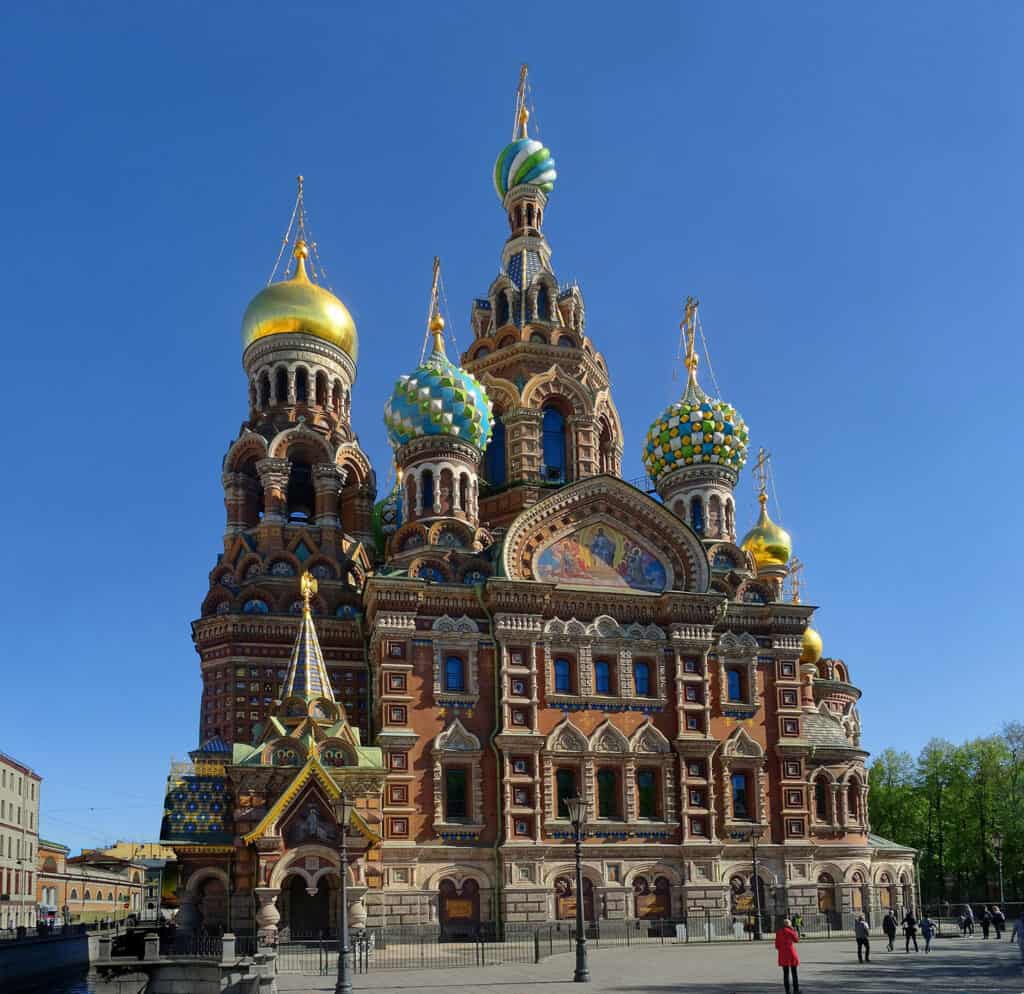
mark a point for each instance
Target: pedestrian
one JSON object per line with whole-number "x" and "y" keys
{"x": 962, "y": 922}
{"x": 785, "y": 942}
{"x": 798, "y": 924}
{"x": 986, "y": 921}
{"x": 969, "y": 916}
{"x": 998, "y": 922}
{"x": 863, "y": 934}
{"x": 910, "y": 929}
{"x": 928, "y": 932}
{"x": 1018, "y": 934}
{"x": 889, "y": 927}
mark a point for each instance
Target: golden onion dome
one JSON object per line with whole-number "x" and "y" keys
{"x": 298, "y": 305}
{"x": 811, "y": 646}
{"x": 769, "y": 544}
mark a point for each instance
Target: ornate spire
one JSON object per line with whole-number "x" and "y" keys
{"x": 522, "y": 112}
{"x": 796, "y": 567}
{"x": 307, "y": 673}
{"x": 435, "y": 325}
{"x": 688, "y": 328}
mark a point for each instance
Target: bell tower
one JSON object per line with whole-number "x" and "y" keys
{"x": 298, "y": 492}
{"x": 555, "y": 421}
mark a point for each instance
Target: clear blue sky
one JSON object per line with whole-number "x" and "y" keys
{"x": 840, "y": 184}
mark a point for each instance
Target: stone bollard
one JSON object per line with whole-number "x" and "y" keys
{"x": 104, "y": 947}
{"x": 266, "y": 970}
{"x": 151, "y": 950}
{"x": 227, "y": 950}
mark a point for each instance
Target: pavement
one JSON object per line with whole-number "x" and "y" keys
{"x": 955, "y": 966}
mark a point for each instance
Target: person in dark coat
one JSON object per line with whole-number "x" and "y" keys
{"x": 785, "y": 942}
{"x": 986, "y": 921}
{"x": 863, "y": 934}
{"x": 927, "y": 932}
{"x": 889, "y": 928}
{"x": 910, "y": 930}
{"x": 998, "y": 921}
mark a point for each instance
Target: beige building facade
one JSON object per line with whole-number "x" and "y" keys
{"x": 19, "y": 842}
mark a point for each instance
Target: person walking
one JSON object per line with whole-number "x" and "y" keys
{"x": 1018, "y": 934}
{"x": 785, "y": 942}
{"x": 998, "y": 921}
{"x": 927, "y": 932}
{"x": 910, "y": 930}
{"x": 798, "y": 924}
{"x": 863, "y": 934}
{"x": 986, "y": 921}
{"x": 889, "y": 927}
{"x": 969, "y": 918}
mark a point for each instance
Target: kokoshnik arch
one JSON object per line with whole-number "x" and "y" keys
{"x": 511, "y": 625}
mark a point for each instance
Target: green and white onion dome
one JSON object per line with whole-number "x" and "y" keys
{"x": 524, "y": 162}
{"x": 696, "y": 430}
{"x": 438, "y": 398}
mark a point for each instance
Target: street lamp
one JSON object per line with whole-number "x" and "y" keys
{"x": 343, "y": 807}
{"x": 755, "y": 834}
{"x": 997, "y": 844}
{"x": 577, "y": 808}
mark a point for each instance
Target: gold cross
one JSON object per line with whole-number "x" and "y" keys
{"x": 761, "y": 471}
{"x": 689, "y": 329}
{"x": 796, "y": 567}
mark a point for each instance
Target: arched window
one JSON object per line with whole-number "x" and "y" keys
{"x": 321, "y": 389}
{"x": 88, "y": 896}
{"x": 565, "y": 342}
{"x": 464, "y": 492}
{"x": 301, "y": 495}
{"x": 110, "y": 895}
{"x": 608, "y": 794}
{"x": 606, "y": 449}
{"x": 543, "y": 303}
{"x": 281, "y": 385}
{"x": 821, "y": 799}
{"x": 697, "y": 515}
{"x": 826, "y": 894}
{"x": 642, "y": 679}
{"x": 853, "y": 799}
{"x": 336, "y": 397}
{"x": 494, "y": 456}
{"x": 301, "y": 386}
{"x": 715, "y": 516}
{"x": 427, "y": 483}
{"x": 563, "y": 676}
{"x": 734, "y": 680}
{"x": 565, "y": 787}
{"x": 647, "y": 792}
{"x": 255, "y": 606}
{"x": 74, "y": 893}
{"x": 501, "y": 310}
{"x": 730, "y": 525}
{"x": 602, "y": 677}
{"x": 553, "y": 430}
{"x": 265, "y": 390}
{"x": 454, "y": 675}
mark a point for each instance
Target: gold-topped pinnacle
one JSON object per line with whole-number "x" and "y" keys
{"x": 522, "y": 114}
{"x": 689, "y": 328}
{"x": 796, "y": 567}
{"x": 308, "y": 588}
{"x": 435, "y": 325}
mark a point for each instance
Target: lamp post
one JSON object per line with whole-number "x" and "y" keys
{"x": 343, "y": 808}
{"x": 577, "y": 808}
{"x": 755, "y": 834}
{"x": 997, "y": 845}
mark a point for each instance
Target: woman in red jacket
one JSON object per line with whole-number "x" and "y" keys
{"x": 785, "y": 942}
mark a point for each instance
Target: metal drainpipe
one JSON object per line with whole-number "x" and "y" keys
{"x": 478, "y": 589}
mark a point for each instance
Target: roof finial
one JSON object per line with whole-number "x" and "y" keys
{"x": 796, "y": 567}
{"x": 436, "y": 323}
{"x": 522, "y": 114}
{"x": 307, "y": 586}
{"x": 689, "y": 328}
{"x": 761, "y": 474}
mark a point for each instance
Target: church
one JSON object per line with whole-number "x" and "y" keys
{"x": 512, "y": 625}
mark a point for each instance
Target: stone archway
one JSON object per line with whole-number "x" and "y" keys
{"x": 305, "y": 910}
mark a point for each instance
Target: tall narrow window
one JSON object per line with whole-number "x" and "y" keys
{"x": 741, "y": 796}
{"x": 647, "y": 793}
{"x": 853, "y": 799}
{"x": 281, "y": 386}
{"x": 427, "y": 482}
{"x": 301, "y": 386}
{"x": 553, "y": 429}
{"x": 734, "y": 680}
{"x": 602, "y": 677}
{"x": 454, "y": 675}
{"x": 821, "y": 799}
{"x": 642, "y": 679}
{"x": 543, "y": 304}
{"x": 565, "y": 787}
{"x": 455, "y": 793}
{"x": 563, "y": 676}
{"x": 494, "y": 456}
{"x": 607, "y": 794}
{"x": 697, "y": 515}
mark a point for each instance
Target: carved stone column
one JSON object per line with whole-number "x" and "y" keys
{"x": 234, "y": 501}
{"x": 274, "y": 475}
{"x": 267, "y": 915}
{"x": 328, "y": 481}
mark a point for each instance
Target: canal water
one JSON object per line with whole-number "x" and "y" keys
{"x": 67, "y": 982}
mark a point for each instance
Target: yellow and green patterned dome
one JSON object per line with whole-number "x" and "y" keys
{"x": 769, "y": 544}
{"x": 300, "y": 306}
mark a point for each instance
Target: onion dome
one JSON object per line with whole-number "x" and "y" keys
{"x": 300, "y": 306}
{"x": 811, "y": 646}
{"x": 696, "y": 429}
{"x": 769, "y": 544}
{"x": 438, "y": 398}
{"x": 524, "y": 162}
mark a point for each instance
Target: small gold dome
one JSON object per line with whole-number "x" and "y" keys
{"x": 769, "y": 544}
{"x": 811, "y": 646}
{"x": 298, "y": 305}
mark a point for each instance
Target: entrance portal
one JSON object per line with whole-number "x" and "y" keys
{"x": 306, "y": 916}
